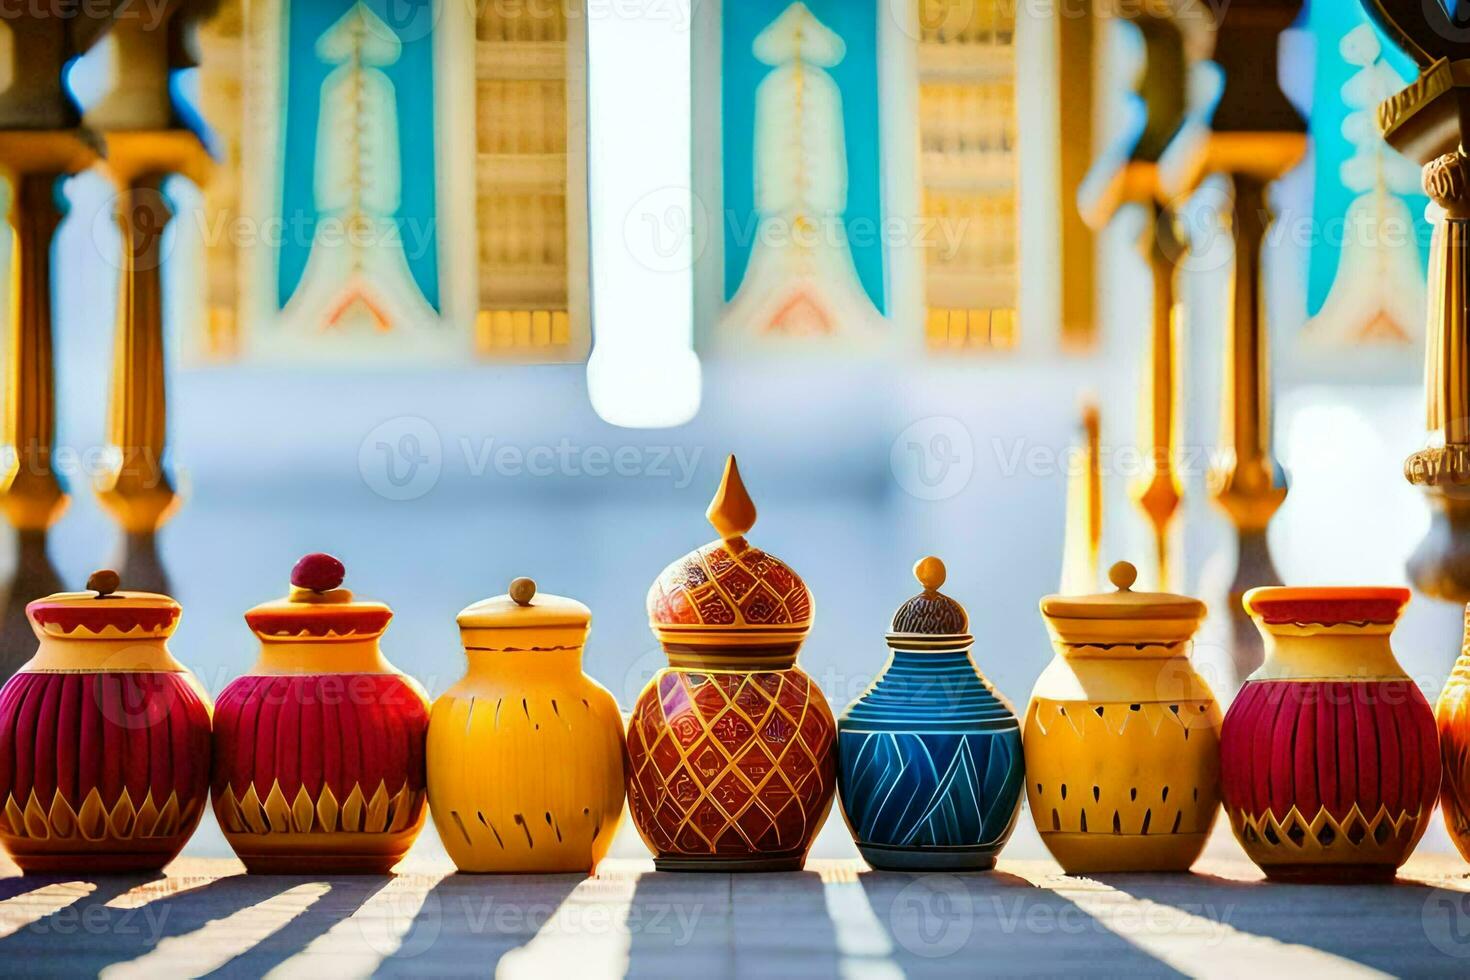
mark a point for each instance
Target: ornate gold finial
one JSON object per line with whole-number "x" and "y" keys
{"x": 732, "y": 512}
{"x": 1122, "y": 574}
{"x": 522, "y": 590}
{"x": 1425, "y": 122}
{"x": 930, "y": 573}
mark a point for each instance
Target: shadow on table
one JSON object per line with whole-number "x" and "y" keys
{"x": 345, "y": 895}
{"x": 467, "y": 922}
{"x": 1404, "y": 928}
{"x": 703, "y": 924}
{"x": 86, "y": 936}
{"x": 992, "y": 922}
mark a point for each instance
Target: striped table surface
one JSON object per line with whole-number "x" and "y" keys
{"x": 204, "y": 916}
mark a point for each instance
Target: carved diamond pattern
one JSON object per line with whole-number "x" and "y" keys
{"x": 746, "y": 778}
{"x": 733, "y": 730}
{"x": 710, "y": 698}
{"x": 715, "y": 587}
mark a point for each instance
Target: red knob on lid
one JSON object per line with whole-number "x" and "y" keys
{"x": 318, "y": 572}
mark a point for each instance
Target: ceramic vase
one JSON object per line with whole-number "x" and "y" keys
{"x": 1329, "y": 757}
{"x": 930, "y": 767}
{"x": 319, "y": 749}
{"x": 104, "y": 737}
{"x": 1122, "y": 734}
{"x": 525, "y": 752}
{"x": 1452, "y": 714}
{"x": 731, "y": 748}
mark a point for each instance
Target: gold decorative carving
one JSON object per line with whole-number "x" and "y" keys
{"x": 968, "y": 164}
{"x": 1425, "y": 121}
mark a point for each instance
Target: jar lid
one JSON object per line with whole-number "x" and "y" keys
{"x": 931, "y": 614}
{"x": 524, "y": 619}
{"x": 1327, "y": 605}
{"x": 103, "y": 612}
{"x": 317, "y": 608}
{"x": 729, "y": 603}
{"x": 1123, "y": 616}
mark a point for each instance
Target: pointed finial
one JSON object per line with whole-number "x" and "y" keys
{"x": 731, "y": 511}
{"x": 930, "y": 573}
{"x": 1123, "y": 575}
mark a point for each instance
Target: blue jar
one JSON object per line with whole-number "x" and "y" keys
{"x": 930, "y": 769}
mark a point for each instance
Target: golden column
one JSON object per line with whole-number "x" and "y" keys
{"x": 1252, "y": 136}
{"x": 1127, "y": 174}
{"x": 1082, "y": 525}
{"x": 144, "y": 148}
{"x": 1427, "y": 122}
{"x": 41, "y": 144}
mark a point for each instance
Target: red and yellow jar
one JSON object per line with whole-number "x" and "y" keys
{"x": 731, "y": 748}
{"x": 1329, "y": 759}
{"x": 104, "y": 737}
{"x": 319, "y": 750}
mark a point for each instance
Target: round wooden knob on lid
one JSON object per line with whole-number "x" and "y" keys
{"x": 930, "y": 573}
{"x": 522, "y": 591}
{"x": 104, "y": 582}
{"x": 1123, "y": 575}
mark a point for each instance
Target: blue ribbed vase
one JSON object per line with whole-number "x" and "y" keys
{"x": 930, "y": 769}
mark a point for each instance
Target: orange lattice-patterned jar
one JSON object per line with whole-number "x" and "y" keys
{"x": 731, "y": 748}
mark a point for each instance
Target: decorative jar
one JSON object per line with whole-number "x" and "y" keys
{"x": 104, "y": 737}
{"x": 1122, "y": 734}
{"x": 319, "y": 749}
{"x": 1329, "y": 757}
{"x": 525, "y": 753}
{"x": 731, "y": 748}
{"x": 929, "y": 758}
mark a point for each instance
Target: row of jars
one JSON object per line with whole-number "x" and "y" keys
{"x": 324, "y": 758}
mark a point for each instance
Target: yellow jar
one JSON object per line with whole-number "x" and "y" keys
{"x": 1122, "y": 735}
{"x": 525, "y": 753}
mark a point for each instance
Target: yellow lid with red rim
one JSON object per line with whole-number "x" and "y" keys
{"x": 317, "y": 608}
{"x": 104, "y": 612}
